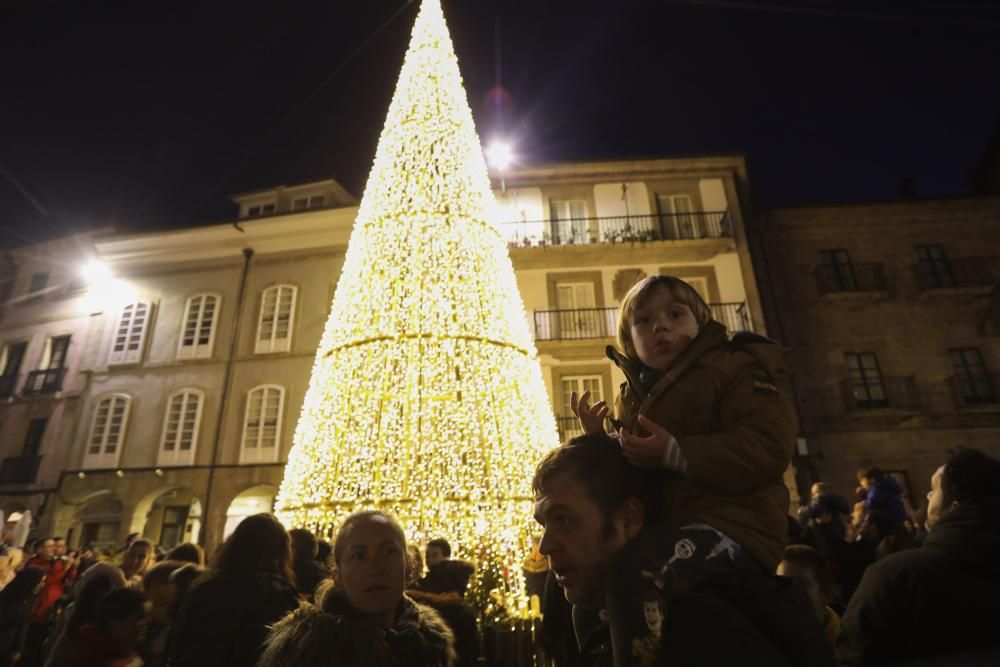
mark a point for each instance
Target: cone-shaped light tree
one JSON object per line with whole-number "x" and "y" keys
{"x": 426, "y": 397}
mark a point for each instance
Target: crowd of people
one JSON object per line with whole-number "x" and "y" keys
{"x": 666, "y": 539}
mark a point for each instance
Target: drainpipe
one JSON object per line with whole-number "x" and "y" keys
{"x": 224, "y": 398}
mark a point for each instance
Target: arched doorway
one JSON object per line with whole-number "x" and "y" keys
{"x": 168, "y": 516}
{"x": 255, "y": 500}
{"x": 94, "y": 523}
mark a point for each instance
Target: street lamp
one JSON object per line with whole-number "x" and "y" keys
{"x": 499, "y": 155}
{"x": 95, "y": 271}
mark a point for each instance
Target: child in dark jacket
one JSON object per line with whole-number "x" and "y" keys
{"x": 711, "y": 412}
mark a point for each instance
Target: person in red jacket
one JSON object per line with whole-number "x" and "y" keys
{"x": 57, "y": 572}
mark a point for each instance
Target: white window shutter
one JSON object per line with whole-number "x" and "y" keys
{"x": 276, "y": 320}
{"x": 201, "y": 317}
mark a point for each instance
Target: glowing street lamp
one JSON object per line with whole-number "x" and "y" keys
{"x": 95, "y": 272}
{"x": 499, "y": 155}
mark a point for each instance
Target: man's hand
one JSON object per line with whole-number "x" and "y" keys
{"x": 591, "y": 416}
{"x": 645, "y": 452}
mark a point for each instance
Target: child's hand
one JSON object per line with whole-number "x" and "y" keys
{"x": 645, "y": 452}
{"x": 591, "y": 416}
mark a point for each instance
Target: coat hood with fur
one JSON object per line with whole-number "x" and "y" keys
{"x": 332, "y": 634}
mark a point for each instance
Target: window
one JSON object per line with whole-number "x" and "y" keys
{"x": 569, "y": 221}
{"x": 866, "y": 380}
{"x": 575, "y": 304}
{"x": 33, "y": 441}
{"x": 10, "y": 364}
{"x": 107, "y": 432}
{"x": 972, "y": 380}
{"x": 39, "y": 281}
{"x": 260, "y": 209}
{"x": 262, "y": 424}
{"x": 174, "y": 523}
{"x": 274, "y": 328}
{"x": 837, "y": 269}
{"x": 198, "y": 334}
{"x": 180, "y": 428}
{"x": 11, "y": 357}
{"x": 317, "y": 202}
{"x": 569, "y": 425}
{"x": 933, "y": 267}
{"x": 55, "y": 353}
{"x": 677, "y": 218}
{"x": 130, "y": 334}
{"x": 300, "y": 204}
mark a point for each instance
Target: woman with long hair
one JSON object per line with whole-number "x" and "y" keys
{"x": 248, "y": 587}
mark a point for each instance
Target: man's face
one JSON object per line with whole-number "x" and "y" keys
{"x": 137, "y": 560}
{"x": 865, "y": 483}
{"x": 46, "y": 549}
{"x": 804, "y": 576}
{"x": 434, "y": 555}
{"x": 935, "y": 500}
{"x": 60, "y": 548}
{"x": 661, "y": 328}
{"x": 575, "y": 539}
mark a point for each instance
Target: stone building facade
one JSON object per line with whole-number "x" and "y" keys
{"x": 200, "y": 347}
{"x": 893, "y": 316}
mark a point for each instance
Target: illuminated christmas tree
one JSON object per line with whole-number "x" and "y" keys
{"x": 426, "y": 396}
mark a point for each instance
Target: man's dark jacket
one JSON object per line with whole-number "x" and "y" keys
{"x": 933, "y": 602}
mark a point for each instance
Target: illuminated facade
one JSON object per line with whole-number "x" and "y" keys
{"x": 576, "y": 247}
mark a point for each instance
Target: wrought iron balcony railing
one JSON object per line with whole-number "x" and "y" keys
{"x": 620, "y": 229}
{"x": 44, "y": 382}
{"x": 583, "y": 323}
{"x": 8, "y": 385}
{"x": 956, "y": 273}
{"x": 851, "y": 278}
{"x": 899, "y": 393}
{"x": 19, "y": 469}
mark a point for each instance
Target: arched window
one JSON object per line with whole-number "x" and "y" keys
{"x": 262, "y": 424}
{"x": 201, "y": 315}
{"x": 180, "y": 428}
{"x": 277, "y": 314}
{"x": 107, "y": 432}
{"x": 130, "y": 335}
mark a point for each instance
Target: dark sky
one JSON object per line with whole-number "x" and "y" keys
{"x": 142, "y": 119}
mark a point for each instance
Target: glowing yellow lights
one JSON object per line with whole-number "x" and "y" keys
{"x": 426, "y": 396}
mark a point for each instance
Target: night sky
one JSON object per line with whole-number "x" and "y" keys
{"x": 147, "y": 119}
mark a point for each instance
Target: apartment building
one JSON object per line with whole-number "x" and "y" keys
{"x": 893, "y": 316}
{"x": 48, "y": 323}
{"x": 201, "y": 355}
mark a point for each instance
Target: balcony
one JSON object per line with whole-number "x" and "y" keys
{"x": 620, "y": 229}
{"x": 975, "y": 392}
{"x": 8, "y": 385}
{"x": 852, "y": 281}
{"x": 583, "y": 323}
{"x": 889, "y": 394}
{"x": 19, "y": 469}
{"x": 44, "y": 382}
{"x": 971, "y": 275}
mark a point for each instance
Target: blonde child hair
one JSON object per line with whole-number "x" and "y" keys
{"x": 679, "y": 290}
